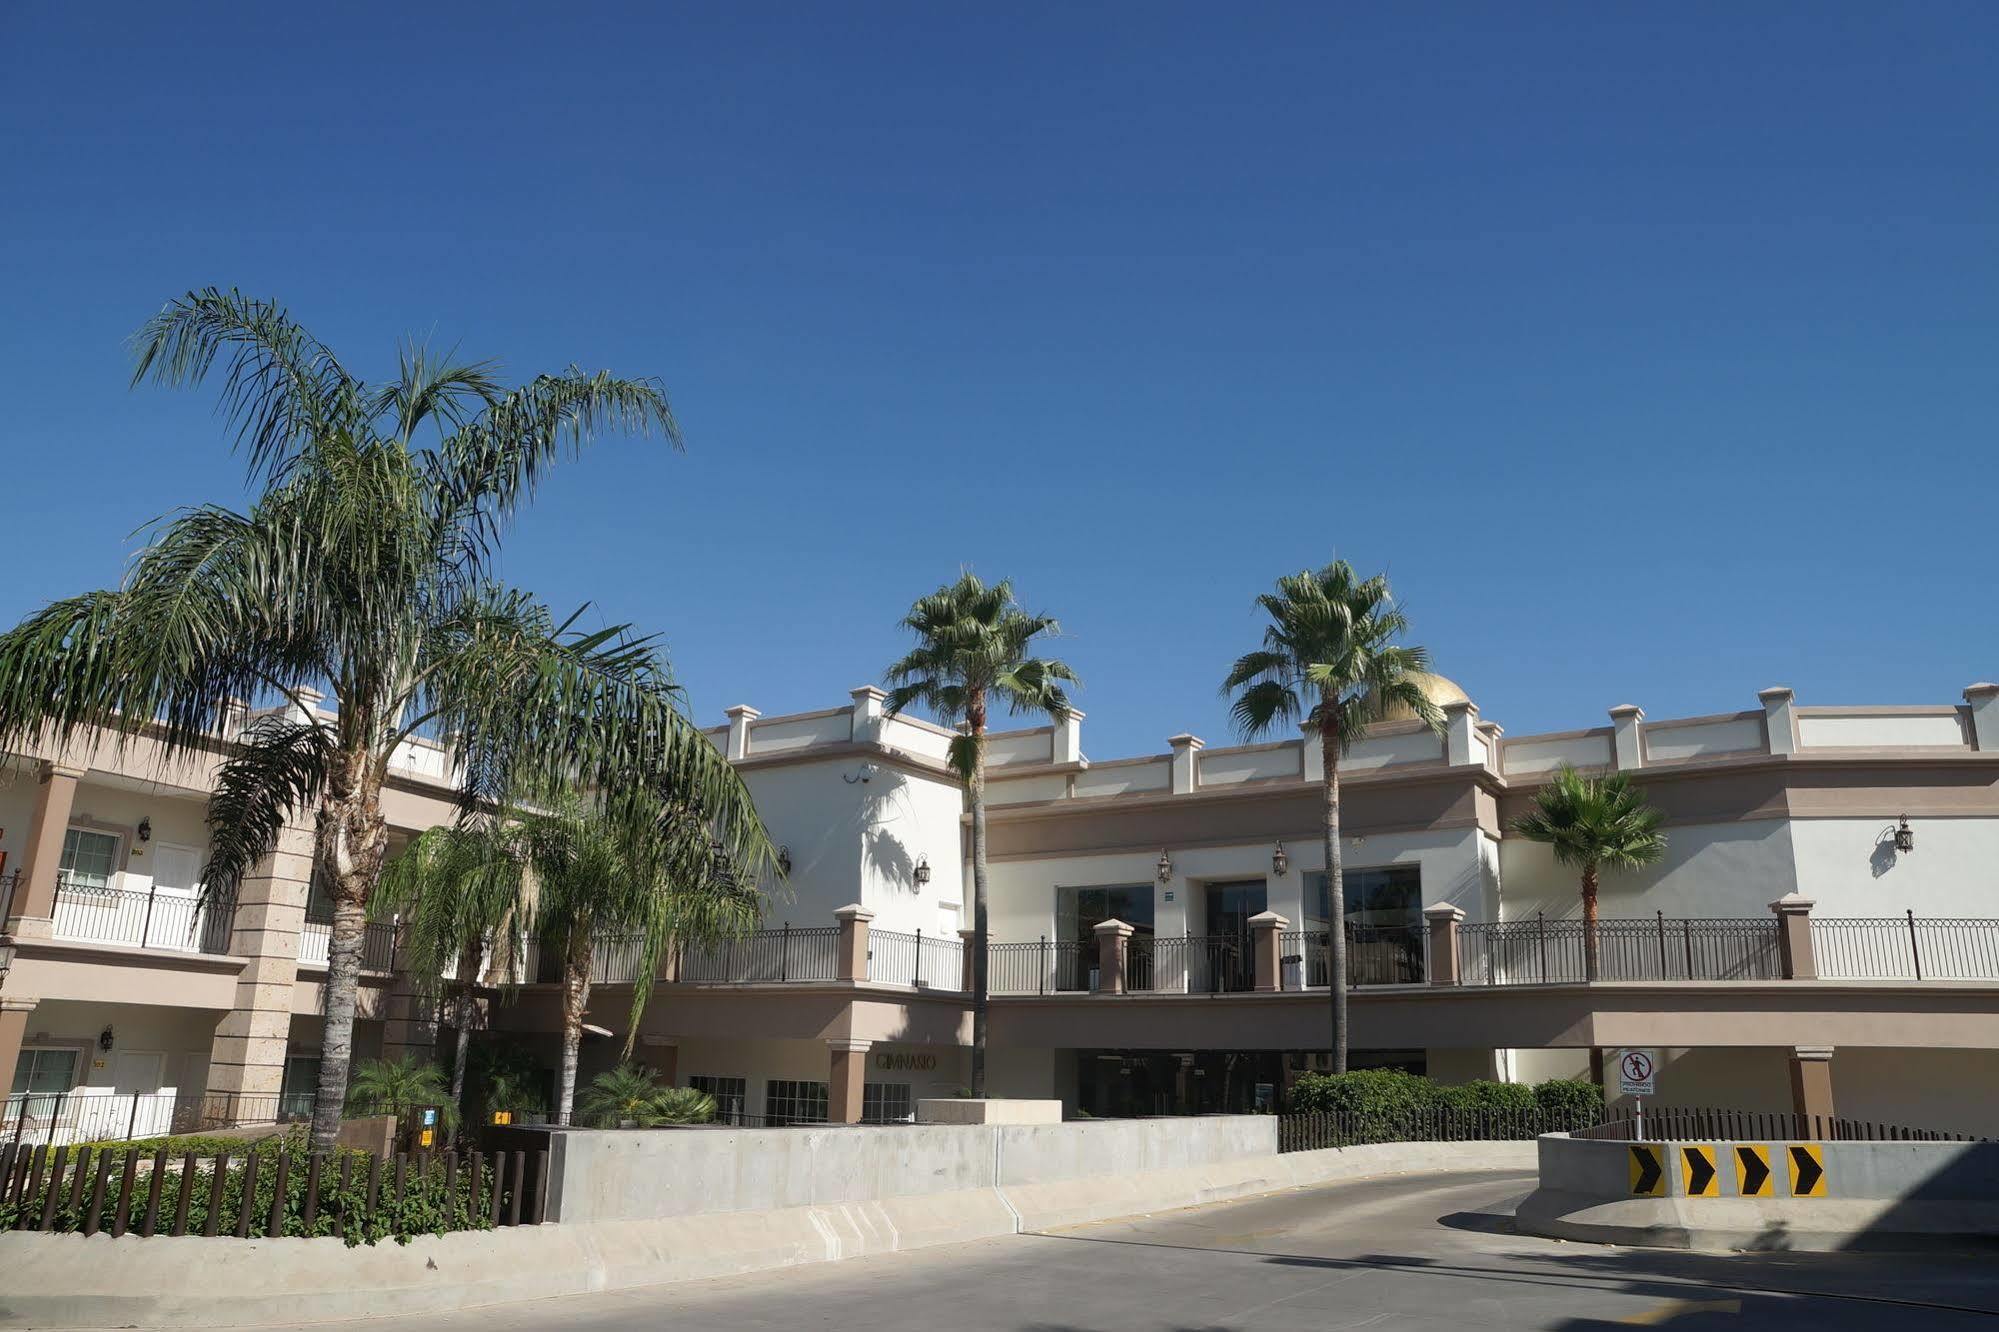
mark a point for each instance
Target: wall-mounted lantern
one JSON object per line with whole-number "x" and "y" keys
{"x": 922, "y": 871}
{"x": 1280, "y": 862}
{"x": 105, "y": 1039}
{"x": 146, "y": 829}
{"x": 1165, "y": 865}
{"x": 1905, "y": 836}
{"x": 784, "y": 861}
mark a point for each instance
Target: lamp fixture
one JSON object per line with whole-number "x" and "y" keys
{"x": 784, "y": 861}
{"x": 105, "y": 1039}
{"x": 1280, "y": 861}
{"x": 1905, "y": 836}
{"x": 145, "y": 828}
{"x": 1165, "y": 865}
{"x": 922, "y": 871}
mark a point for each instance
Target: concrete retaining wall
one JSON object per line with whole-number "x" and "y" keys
{"x": 1035, "y": 1178}
{"x": 1875, "y": 1195}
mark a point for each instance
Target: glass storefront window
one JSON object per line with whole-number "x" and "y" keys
{"x": 1078, "y": 911}
{"x": 1387, "y": 896}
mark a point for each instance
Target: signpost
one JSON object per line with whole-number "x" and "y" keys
{"x": 1637, "y": 1077}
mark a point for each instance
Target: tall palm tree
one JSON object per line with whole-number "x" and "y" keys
{"x": 1329, "y": 655}
{"x": 586, "y": 875}
{"x": 364, "y": 565}
{"x": 1593, "y": 824}
{"x": 972, "y": 652}
{"x": 455, "y": 893}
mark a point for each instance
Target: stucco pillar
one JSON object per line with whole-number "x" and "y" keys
{"x": 850, "y": 958}
{"x": 32, "y": 915}
{"x": 968, "y": 942}
{"x": 1780, "y": 719}
{"x": 1811, "y": 1080}
{"x": 14, "y": 1010}
{"x": 248, "y": 1055}
{"x": 1794, "y": 937}
{"x": 1983, "y": 699}
{"x": 1186, "y": 761}
{"x": 1266, "y": 941}
{"x": 1627, "y": 721}
{"x": 1113, "y": 945}
{"x": 870, "y": 706}
{"x": 1444, "y": 920}
{"x": 847, "y": 1080}
{"x": 1068, "y": 742}
{"x": 740, "y": 718}
{"x": 1460, "y": 720}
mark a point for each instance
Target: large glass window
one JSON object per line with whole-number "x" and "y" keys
{"x": 300, "y": 1086}
{"x": 887, "y": 1103}
{"x": 1389, "y": 895}
{"x": 44, "y": 1071}
{"x": 1078, "y": 911}
{"x": 729, "y": 1094}
{"x": 788, "y": 1102}
{"x": 89, "y": 859}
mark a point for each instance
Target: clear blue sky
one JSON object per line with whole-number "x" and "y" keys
{"x": 1651, "y": 351}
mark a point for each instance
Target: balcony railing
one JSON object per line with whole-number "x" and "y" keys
{"x": 1188, "y": 964}
{"x": 925, "y": 961}
{"x": 99, "y": 1114}
{"x": 786, "y": 954}
{"x": 1550, "y": 952}
{"x": 1906, "y": 947}
{"x": 176, "y": 922}
{"x": 1045, "y": 966}
{"x": 1376, "y": 955}
{"x": 378, "y": 945}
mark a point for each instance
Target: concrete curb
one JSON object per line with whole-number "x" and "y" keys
{"x": 69, "y": 1281}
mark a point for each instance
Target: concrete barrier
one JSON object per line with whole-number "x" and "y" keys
{"x": 1837, "y": 1195}
{"x": 750, "y": 1200}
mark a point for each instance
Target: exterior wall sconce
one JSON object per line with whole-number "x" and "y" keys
{"x": 145, "y": 828}
{"x": 1279, "y": 861}
{"x": 105, "y": 1039}
{"x": 1905, "y": 836}
{"x": 922, "y": 871}
{"x": 784, "y": 861}
{"x": 1165, "y": 865}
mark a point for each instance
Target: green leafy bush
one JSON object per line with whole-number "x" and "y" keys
{"x": 1388, "y": 1105}
{"x": 632, "y": 1094}
{"x": 1576, "y": 1098}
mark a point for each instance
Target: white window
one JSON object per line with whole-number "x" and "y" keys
{"x": 89, "y": 859}
{"x": 44, "y": 1071}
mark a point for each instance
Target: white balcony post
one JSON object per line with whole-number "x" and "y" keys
{"x": 1068, "y": 747}
{"x": 740, "y": 718}
{"x": 1983, "y": 699}
{"x": 1780, "y": 715}
{"x": 1186, "y": 759}
{"x": 870, "y": 715}
{"x": 1627, "y": 721}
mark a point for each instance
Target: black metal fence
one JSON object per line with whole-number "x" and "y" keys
{"x": 786, "y": 954}
{"x": 1681, "y": 1123}
{"x": 153, "y": 919}
{"x": 1544, "y": 952}
{"x": 378, "y": 943}
{"x": 88, "y": 1114}
{"x": 1044, "y": 967}
{"x": 1193, "y": 963}
{"x": 354, "y": 1196}
{"x": 1319, "y": 1130}
{"x": 925, "y": 961}
{"x": 1905, "y": 947}
{"x": 1376, "y": 955}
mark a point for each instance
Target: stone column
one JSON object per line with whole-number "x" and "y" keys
{"x": 1266, "y": 930}
{"x": 1067, "y": 743}
{"x": 847, "y": 1080}
{"x": 740, "y": 718}
{"x": 1780, "y": 718}
{"x": 870, "y": 711}
{"x": 1186, "y": 761}
{"x": 248, "y": 1056}
{"x": 850, "y": 961}
{"x": 1811, "y": 1080}
{"x": 1460, "y": 719}
{"x": 1627, "y": 721}
{"x": 1113, "y": 944}
{"x": 968, "y": 940}
{"x": 1794, "y": 937}
{"x": 14, "y": 1010}
{"x": 1983, "y": 699}
{"x": 32, "y": 916}
{"x": 1444, "y": 919}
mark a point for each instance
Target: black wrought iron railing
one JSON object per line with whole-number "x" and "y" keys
{"x": 1376, "y": 955}
{"x": 178, "y": 922}
{"x": 1680, "y": 1123}
{"x": 1189, "y": 963}
{"x": 90, "y": 1114}
{"x": 1905, "y": 947}
{"x": 1046, "y": 966}
{"x": 925, "y": 961}
{"x": 785, "y": 954}
{"x": 378, "y": 943}
{"x": 1316, "y": 1131}
{"x": 1540, "y": 951}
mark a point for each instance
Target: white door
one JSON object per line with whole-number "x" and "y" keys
{"x": 176, "y": 919}
{"x": 136, "y": 1105}
{"x": 136, "y": 1071}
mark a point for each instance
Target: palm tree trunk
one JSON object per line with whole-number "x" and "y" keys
{"x": 350, "y": 843}
{"x": 575, "y": 1001}
{"x": 979, "y": 917}
{"x": 467, "y": 1008}
{"x": 1336, "y": 896}
{"x": 1589, "y": 920}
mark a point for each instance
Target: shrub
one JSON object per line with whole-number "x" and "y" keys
{"x": 1514, "y": 1098}
{"x": 631, "y": 1094}
{"x": 1368, "y": 1093}
{"x": 1387, "y": 1105}
{"x": 1574, "y": 1099}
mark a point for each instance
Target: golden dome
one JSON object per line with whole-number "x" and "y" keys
{"x": 1439, "y": 690}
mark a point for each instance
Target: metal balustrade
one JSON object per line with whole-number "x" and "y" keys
{"x": 1376, "y": 955}
{"x": 1046, "y": 966}
{"x": 1549, "y": 952}
{"x": 1189, "y": 964}
{"x": 99, "y": 1114}
{"x": 1906, "y": 947}
{"x": 378, "y": 945}
{"x": 176, "y": 922}
{"x": 925, "y": 961}
{"x": 785, "y": 954}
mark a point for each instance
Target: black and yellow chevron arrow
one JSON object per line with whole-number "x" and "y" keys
{"x": 1807, "y": 1170}
{"x": 1752, "y": 1170}
{"x": 1648, "y": 1170}
{"x": 1697, "y": 1172}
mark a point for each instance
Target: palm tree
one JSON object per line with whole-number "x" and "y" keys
{"x": 1329, "y": 655}
{"x": 399, "y": 1087}
{"x": 972, "y": 650}
{"x": 631, "y": 1095}
{"x": 363, "y": 565}
{"x": 454, "y": 893}
{"x": 508, "y": 1078}
{"x": 1593, "y": 824}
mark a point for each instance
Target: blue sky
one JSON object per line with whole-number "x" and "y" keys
{"x": 1651, "y": 351}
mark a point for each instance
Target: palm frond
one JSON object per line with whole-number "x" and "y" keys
{"x": 273, "y": 776}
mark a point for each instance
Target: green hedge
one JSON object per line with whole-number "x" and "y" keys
{"x": 1388, "y": 1105}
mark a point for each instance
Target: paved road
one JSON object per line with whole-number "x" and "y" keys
{"x": 1393, "y": 1255}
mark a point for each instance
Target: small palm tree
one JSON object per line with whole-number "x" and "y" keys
{"x": 365, "y": 564}
{"x": 1329, "y": 655}
{"x": 509, "y": 1079}
{"x": 1593, "y": 824}
{"x": 631, "y": 1095}
{"x": 399, "y": 1087}
{"x": 972, "y": 652}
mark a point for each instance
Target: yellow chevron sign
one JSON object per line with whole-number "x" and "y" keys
{"x": 1753, "y": 1176}
{"x": 1698, "y": 1176}
{"x": 1807, "y": 1169}
{"x": 1648, "y": 1170}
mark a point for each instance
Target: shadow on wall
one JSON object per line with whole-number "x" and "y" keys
{"x": 886, "y": 802}
{"x": 1884, "y": 857}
